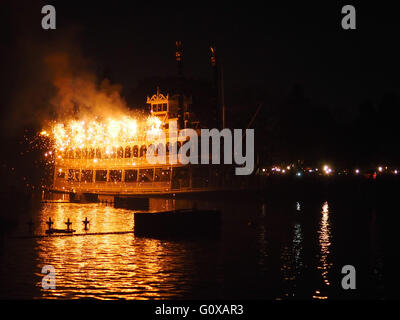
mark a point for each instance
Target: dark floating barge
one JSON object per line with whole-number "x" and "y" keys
{"x": 52, "y": 231}
{"x": 186, "y": 223}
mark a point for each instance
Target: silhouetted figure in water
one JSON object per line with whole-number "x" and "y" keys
{"x": 86, "y": 222}
{"x": 49, "y": 223}
{"x": 68, "y": 223}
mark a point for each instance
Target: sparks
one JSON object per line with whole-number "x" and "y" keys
{"x": 81, "y": 135}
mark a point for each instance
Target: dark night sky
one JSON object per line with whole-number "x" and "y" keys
{"x": 264, "y": 46}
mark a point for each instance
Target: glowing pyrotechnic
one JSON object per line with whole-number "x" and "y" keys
{"x": 107, "y": 133}
{"x": 153, "y": 125}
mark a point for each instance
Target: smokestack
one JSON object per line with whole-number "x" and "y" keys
{"x": 179, "y": 59}
{"x": 219, "y": 86}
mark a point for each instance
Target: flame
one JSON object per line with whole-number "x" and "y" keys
{"x": 154, "y": 125}
{"x": 107, "y": 133}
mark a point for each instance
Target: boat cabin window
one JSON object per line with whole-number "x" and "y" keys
{"x": 98, "y": 153}
{"x": 128, "y": 152}
{"x": 164, "y": 106}
{"x": 73, "y": 175}
{"x": 135, "y": 151}
{"x": 143, "y": 150}
{"x": 115, "y": 176}
{"x": 113, "y": 154}
{"x": 91, "y": 153}
{"x": 78, "y": 154}
{"x": 120, "y": 152}
{"x": 107, "y": 153}
{"x": 130, "y": 175}
{"x": 180, "y": 177}
{"x": 146, "y": 175}
{"x": 160, "y": 148}
{"x": 162, "y": 174}
{"x": 101, "y": 175}
{"x": 87, "y": 176}
{"x": 60, "y": 174}
{"x": 84, "y": 153}
{"x": 154, "y": 150}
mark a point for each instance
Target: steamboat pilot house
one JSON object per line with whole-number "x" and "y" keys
{"x": 126, "y": 171}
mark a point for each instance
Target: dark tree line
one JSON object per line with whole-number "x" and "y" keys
{"x": 293, "y": 126}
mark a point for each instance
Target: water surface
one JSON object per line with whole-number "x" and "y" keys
{"x": 287, "y": 250}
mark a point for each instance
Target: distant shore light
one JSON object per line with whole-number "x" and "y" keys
{"x": 327, "y": 169}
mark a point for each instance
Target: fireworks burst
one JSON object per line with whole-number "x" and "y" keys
{"x": 96, "y": 133}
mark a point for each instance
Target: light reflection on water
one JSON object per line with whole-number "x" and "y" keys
{"x": 324, "y": 237}
{"x": 272, "y": 257}
{"x": 292, "y": 262}
{"x": 297, "y": 247}
{"x": 109, "y": 266}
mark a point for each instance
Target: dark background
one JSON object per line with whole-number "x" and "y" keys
{"x": 327, "y": 94}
